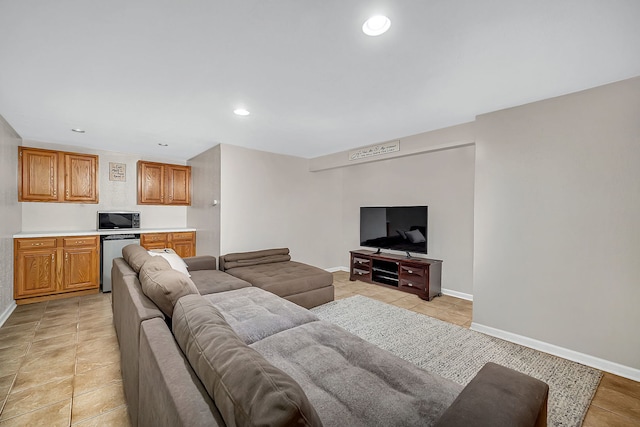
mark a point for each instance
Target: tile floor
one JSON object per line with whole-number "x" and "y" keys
{"x": 59, "y": 361}
{"x": 60, "y": 365}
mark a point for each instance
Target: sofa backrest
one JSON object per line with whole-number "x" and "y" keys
{"x": 244, "y": 259}
{"x": 135, "y": 256}
{"x": 167, "y": 381}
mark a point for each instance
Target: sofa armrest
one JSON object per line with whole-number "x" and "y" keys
{"x": 499, "y": 396}
{"x": 171, "y": 395}
{"x": 201, "y": 262}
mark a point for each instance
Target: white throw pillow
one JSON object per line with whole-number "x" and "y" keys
{"x": 174, "y": 260}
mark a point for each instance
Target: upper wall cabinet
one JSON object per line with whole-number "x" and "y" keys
{"x": 163, "y": 184}
{"x": 57, "y": 176}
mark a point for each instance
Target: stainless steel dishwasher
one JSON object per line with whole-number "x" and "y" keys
{"x": 112, "y": 245}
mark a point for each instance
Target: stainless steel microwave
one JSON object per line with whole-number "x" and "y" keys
{"x": 109, "y": 220}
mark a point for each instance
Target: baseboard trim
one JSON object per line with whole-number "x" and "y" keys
{"x": 565, "y": 353}
{"x": 457, "y": 294}
{"x": 334, "y": 269}
{"x": 7, "y": 312}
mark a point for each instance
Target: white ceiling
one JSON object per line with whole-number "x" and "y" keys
{"x": 135, "y": 73}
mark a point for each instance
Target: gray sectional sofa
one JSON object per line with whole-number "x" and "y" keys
{"x": 197, "y": 354}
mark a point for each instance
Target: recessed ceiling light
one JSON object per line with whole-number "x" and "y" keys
{"x": 376, "y": 25}
{"x": 241, "y": 112}
{"x": 77, "y": 130}
{"x": 162, "y": 145}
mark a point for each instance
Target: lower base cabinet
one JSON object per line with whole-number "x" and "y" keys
{"x": 55, "y": 267}
{"x": 183, "y": 242}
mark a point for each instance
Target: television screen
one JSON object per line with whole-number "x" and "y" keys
{"x": 401, "y": 228}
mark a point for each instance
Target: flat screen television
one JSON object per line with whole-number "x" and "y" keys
{"x": 401, "y": 228}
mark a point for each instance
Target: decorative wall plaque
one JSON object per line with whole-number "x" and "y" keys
{"x": 117, "y": 171}
{"x": 374, "y": 150}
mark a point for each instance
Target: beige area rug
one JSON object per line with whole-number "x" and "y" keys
{"x": 458, "y": 353}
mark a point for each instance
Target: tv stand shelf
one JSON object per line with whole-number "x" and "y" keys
{"x": 420, "y": 276}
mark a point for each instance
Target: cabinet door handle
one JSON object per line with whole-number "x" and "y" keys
{"x": 37, "y": 244}
{"x": 410, "y": 271}
{"x": 53, "y": 257}
{"x": 66, "y": 257}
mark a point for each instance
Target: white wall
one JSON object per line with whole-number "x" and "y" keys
{"x": 202, "y": 215}
{"x": 557, "y": 206}
{"x": 114, "y": 195}
{"x": 10, "y": 213}
{"x": 270, "y": 200}
{"x": 442, "y": 180}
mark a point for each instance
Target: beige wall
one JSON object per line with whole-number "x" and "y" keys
{"x": 269, "y": 200}
{"x": 556, "y": 222}
{"x": 443, "y": 180}
{"x": 202, "y": 215}
{"x": 114, "y": 195}
{"x": 10, "y": 213}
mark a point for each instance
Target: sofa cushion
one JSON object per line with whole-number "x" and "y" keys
{"x": 255, "y": 314}
{"x": 136, "y": 256}
{"x": 247, "y": 390}
{"x": 164, "y": 285}
{"x": 499, "y": 396}
{"x": 265, "y": 256}
{"x": 255, "y": 254}
{"x": 284, "y": 278}
{"x": 200, "y": 262}
{"x": 256, "y": 261}
{"x": 351, "y": 382}
{"x": 214, "y": 281}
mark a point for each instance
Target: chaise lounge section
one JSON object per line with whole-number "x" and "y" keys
{"x": 273, "y": 271}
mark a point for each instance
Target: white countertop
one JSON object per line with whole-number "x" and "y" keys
{"x": 27, "y": 234}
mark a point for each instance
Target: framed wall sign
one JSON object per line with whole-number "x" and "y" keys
{"x": 117, "y": 171}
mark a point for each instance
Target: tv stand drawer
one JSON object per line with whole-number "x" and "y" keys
{"x": 359, "y": 272}
{"x": 412, "y": 272}
{"x": 404, "y": 283}
{"x": 361, "y": 262}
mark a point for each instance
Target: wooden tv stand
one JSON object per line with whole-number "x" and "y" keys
{"x": 418, "y": 276}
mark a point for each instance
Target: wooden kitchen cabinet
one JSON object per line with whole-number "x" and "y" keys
{"x": 55, "y": 267}
{"x": 150, "y": 183}
{"x": 81, "y": 263}
{"x": 154, "y": 240}
{"x": 57, "y": 176}
{"x": 178, "y": 187}
{"x": 35, "y": 267}
{"x": 183, "y": 242}
{"x": 163, "y": 184}
{"x": 80, "y": 178}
